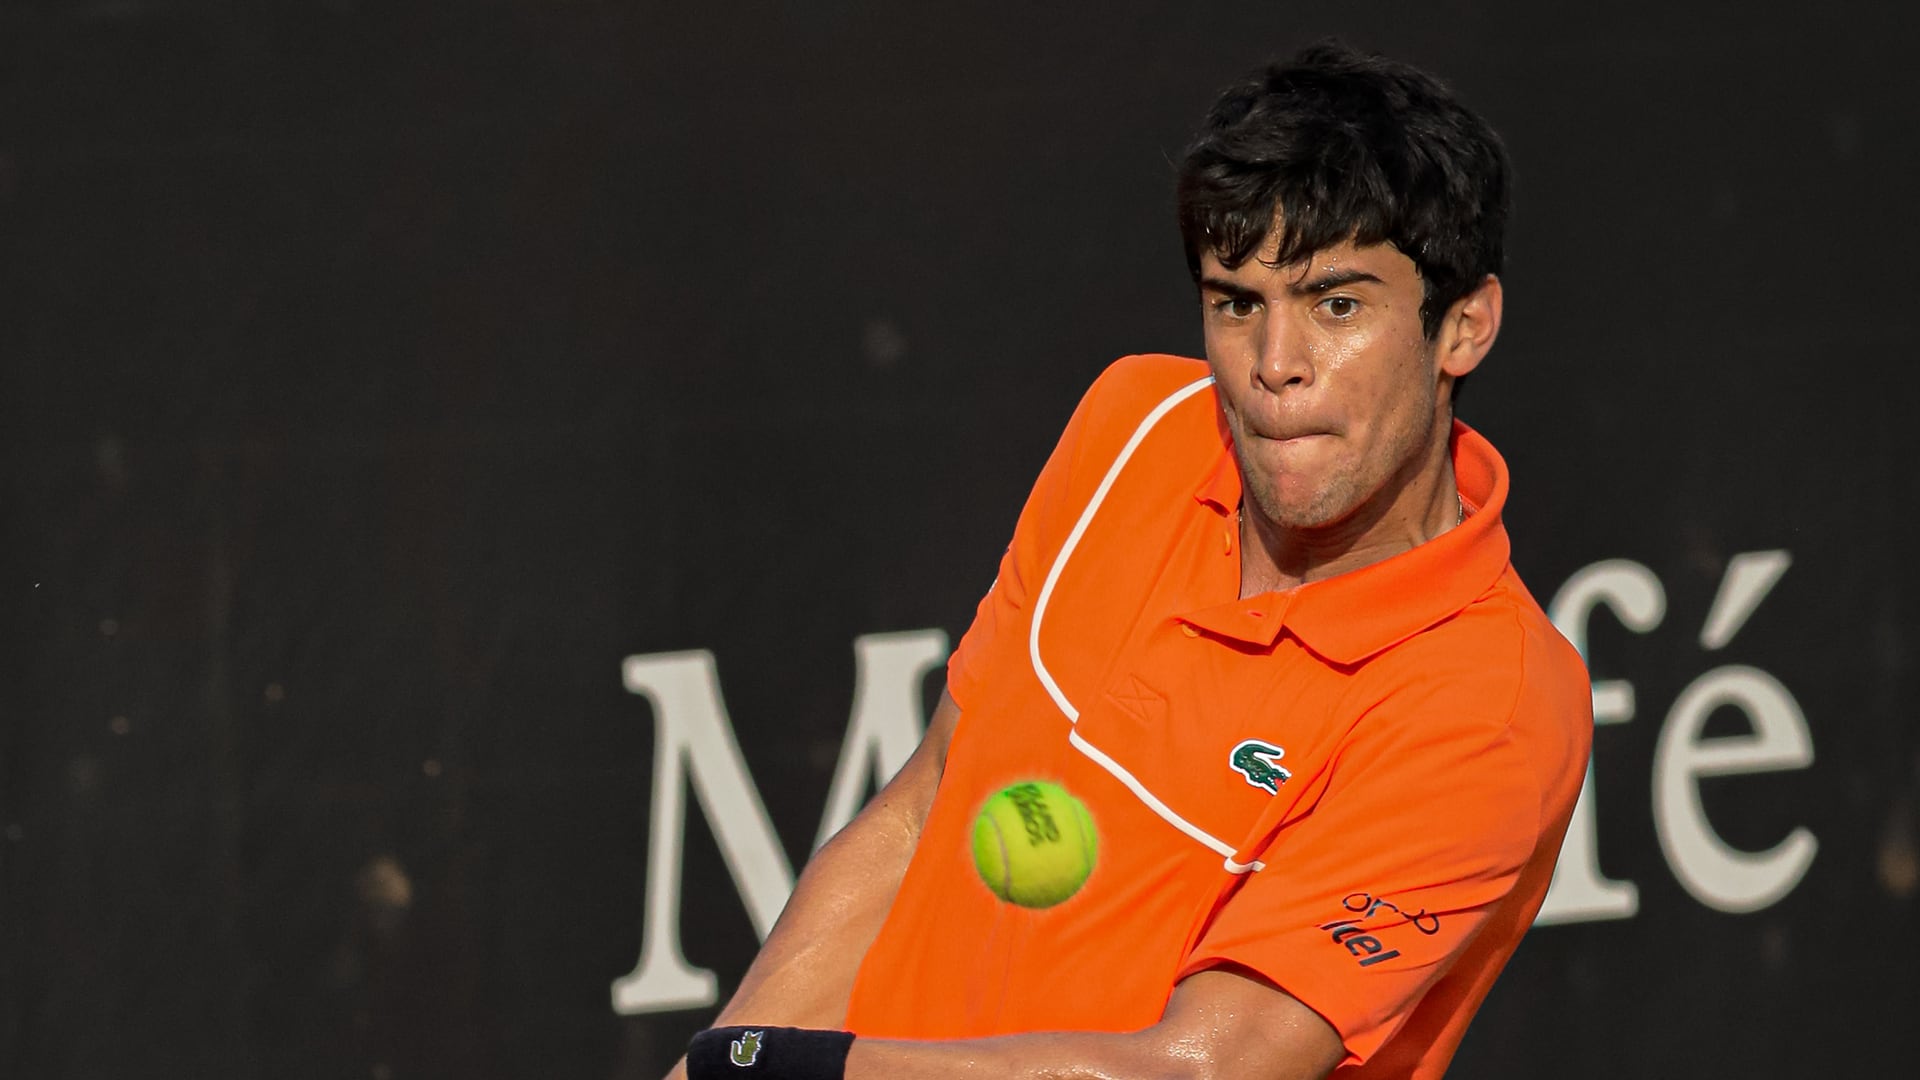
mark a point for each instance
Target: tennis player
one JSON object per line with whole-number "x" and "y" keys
{"x": 1258, "y": 614}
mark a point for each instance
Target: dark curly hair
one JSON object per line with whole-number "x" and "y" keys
{"x": 1340, "y": 144}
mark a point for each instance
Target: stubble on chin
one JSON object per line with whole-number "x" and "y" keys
{"x": 1263, "y": 489}
{"x": 1321, "y": 507}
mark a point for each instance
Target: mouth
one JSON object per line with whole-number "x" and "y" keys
{"x": 1281, "y": 432}
{"x": 1285, "y": 433}
{"x": 1294, "y": 438}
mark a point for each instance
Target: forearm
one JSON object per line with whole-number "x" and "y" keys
{"x": 1217, "y": 1025}
{"x": 803, "y": 976}
{"x": 1061, "y": 1055}
{"x": 804, "y": 973}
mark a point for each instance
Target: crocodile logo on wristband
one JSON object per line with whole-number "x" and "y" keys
{"x": 746, "y": 1048}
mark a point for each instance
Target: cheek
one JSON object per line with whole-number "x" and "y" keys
{"x": 1227, "y": 349}
{"x": 1360, "y": 354}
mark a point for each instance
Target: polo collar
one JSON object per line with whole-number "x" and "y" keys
{"x": 1221, "y": 488}
{"x": 1350, "y": 617}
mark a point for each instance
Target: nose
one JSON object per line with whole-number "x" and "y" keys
{"x": 1286, "y": 359}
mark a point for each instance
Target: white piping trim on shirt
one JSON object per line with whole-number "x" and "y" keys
{"x": 1094, "y": 753}
{"x": 1154, "y": 804}
{"x": 1080, "y": 528}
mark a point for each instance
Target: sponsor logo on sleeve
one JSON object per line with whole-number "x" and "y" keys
{"x": 1361, "y": 943}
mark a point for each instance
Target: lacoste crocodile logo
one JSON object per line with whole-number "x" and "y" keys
{"x": 746, "y": 1048}
{"x": 1259, "y": 762}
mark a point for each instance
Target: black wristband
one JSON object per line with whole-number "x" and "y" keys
{"x": 774, "y": 1053}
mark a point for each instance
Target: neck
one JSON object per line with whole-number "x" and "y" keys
{"x": 1274, "y": 557}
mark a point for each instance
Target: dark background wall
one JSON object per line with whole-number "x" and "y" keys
{"x": 378, "y": 377}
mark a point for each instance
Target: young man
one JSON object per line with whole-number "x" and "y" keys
{"x": 1258, "y": 614}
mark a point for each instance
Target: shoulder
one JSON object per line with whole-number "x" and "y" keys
{"x": 1135, "y": 385}
{"x": 1134, "y": 390}
{"x": 1552, "y": 715}
{"x": 1503, "y": 646}
{"x": 1547, "y": 677}
{"x": 1496, "y": 672}
{"x": 1499, "y": 652}
{"x": 1148, "y": 371}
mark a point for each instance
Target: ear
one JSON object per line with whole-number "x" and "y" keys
{"x": 1468, "y": 330}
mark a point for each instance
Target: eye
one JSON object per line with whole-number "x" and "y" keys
{"x": 1236, "y": 307}
{"x": 1341, "y": 307}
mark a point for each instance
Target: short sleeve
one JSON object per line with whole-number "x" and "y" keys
{"x": 1367, "y": 901}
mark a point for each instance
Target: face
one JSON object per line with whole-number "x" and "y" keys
{"x": 1327, "y": 383}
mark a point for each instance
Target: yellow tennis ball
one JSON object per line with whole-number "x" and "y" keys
{"x": 1034, "y": 844}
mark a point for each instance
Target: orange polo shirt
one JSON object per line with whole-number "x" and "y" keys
{"x": 1355, "y": 788}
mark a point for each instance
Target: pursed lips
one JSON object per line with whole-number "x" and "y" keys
{"x": 1293, "y": 435}
{"x": 1284, "y": 433}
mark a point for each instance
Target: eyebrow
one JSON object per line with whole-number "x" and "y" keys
{"x": 1306, "y": 286}
{"x": 1228, "y": 288}
{"x": 1329, "y": 281}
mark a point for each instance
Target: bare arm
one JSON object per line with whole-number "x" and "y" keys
{"x": 803, "y": 975}
{"x": 1218, "y": 1024}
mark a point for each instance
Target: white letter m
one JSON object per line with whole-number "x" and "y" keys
{"x": 693, "y": 739}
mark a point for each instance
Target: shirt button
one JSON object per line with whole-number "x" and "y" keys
{"x": 1226, "y": 536}
{"x": 1187, "y": 629}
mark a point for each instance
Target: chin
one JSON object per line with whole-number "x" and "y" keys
{"x": 1309, "y": 495}
{"x": 1317, "y": 511}
{"x": 1308, "y": 520}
